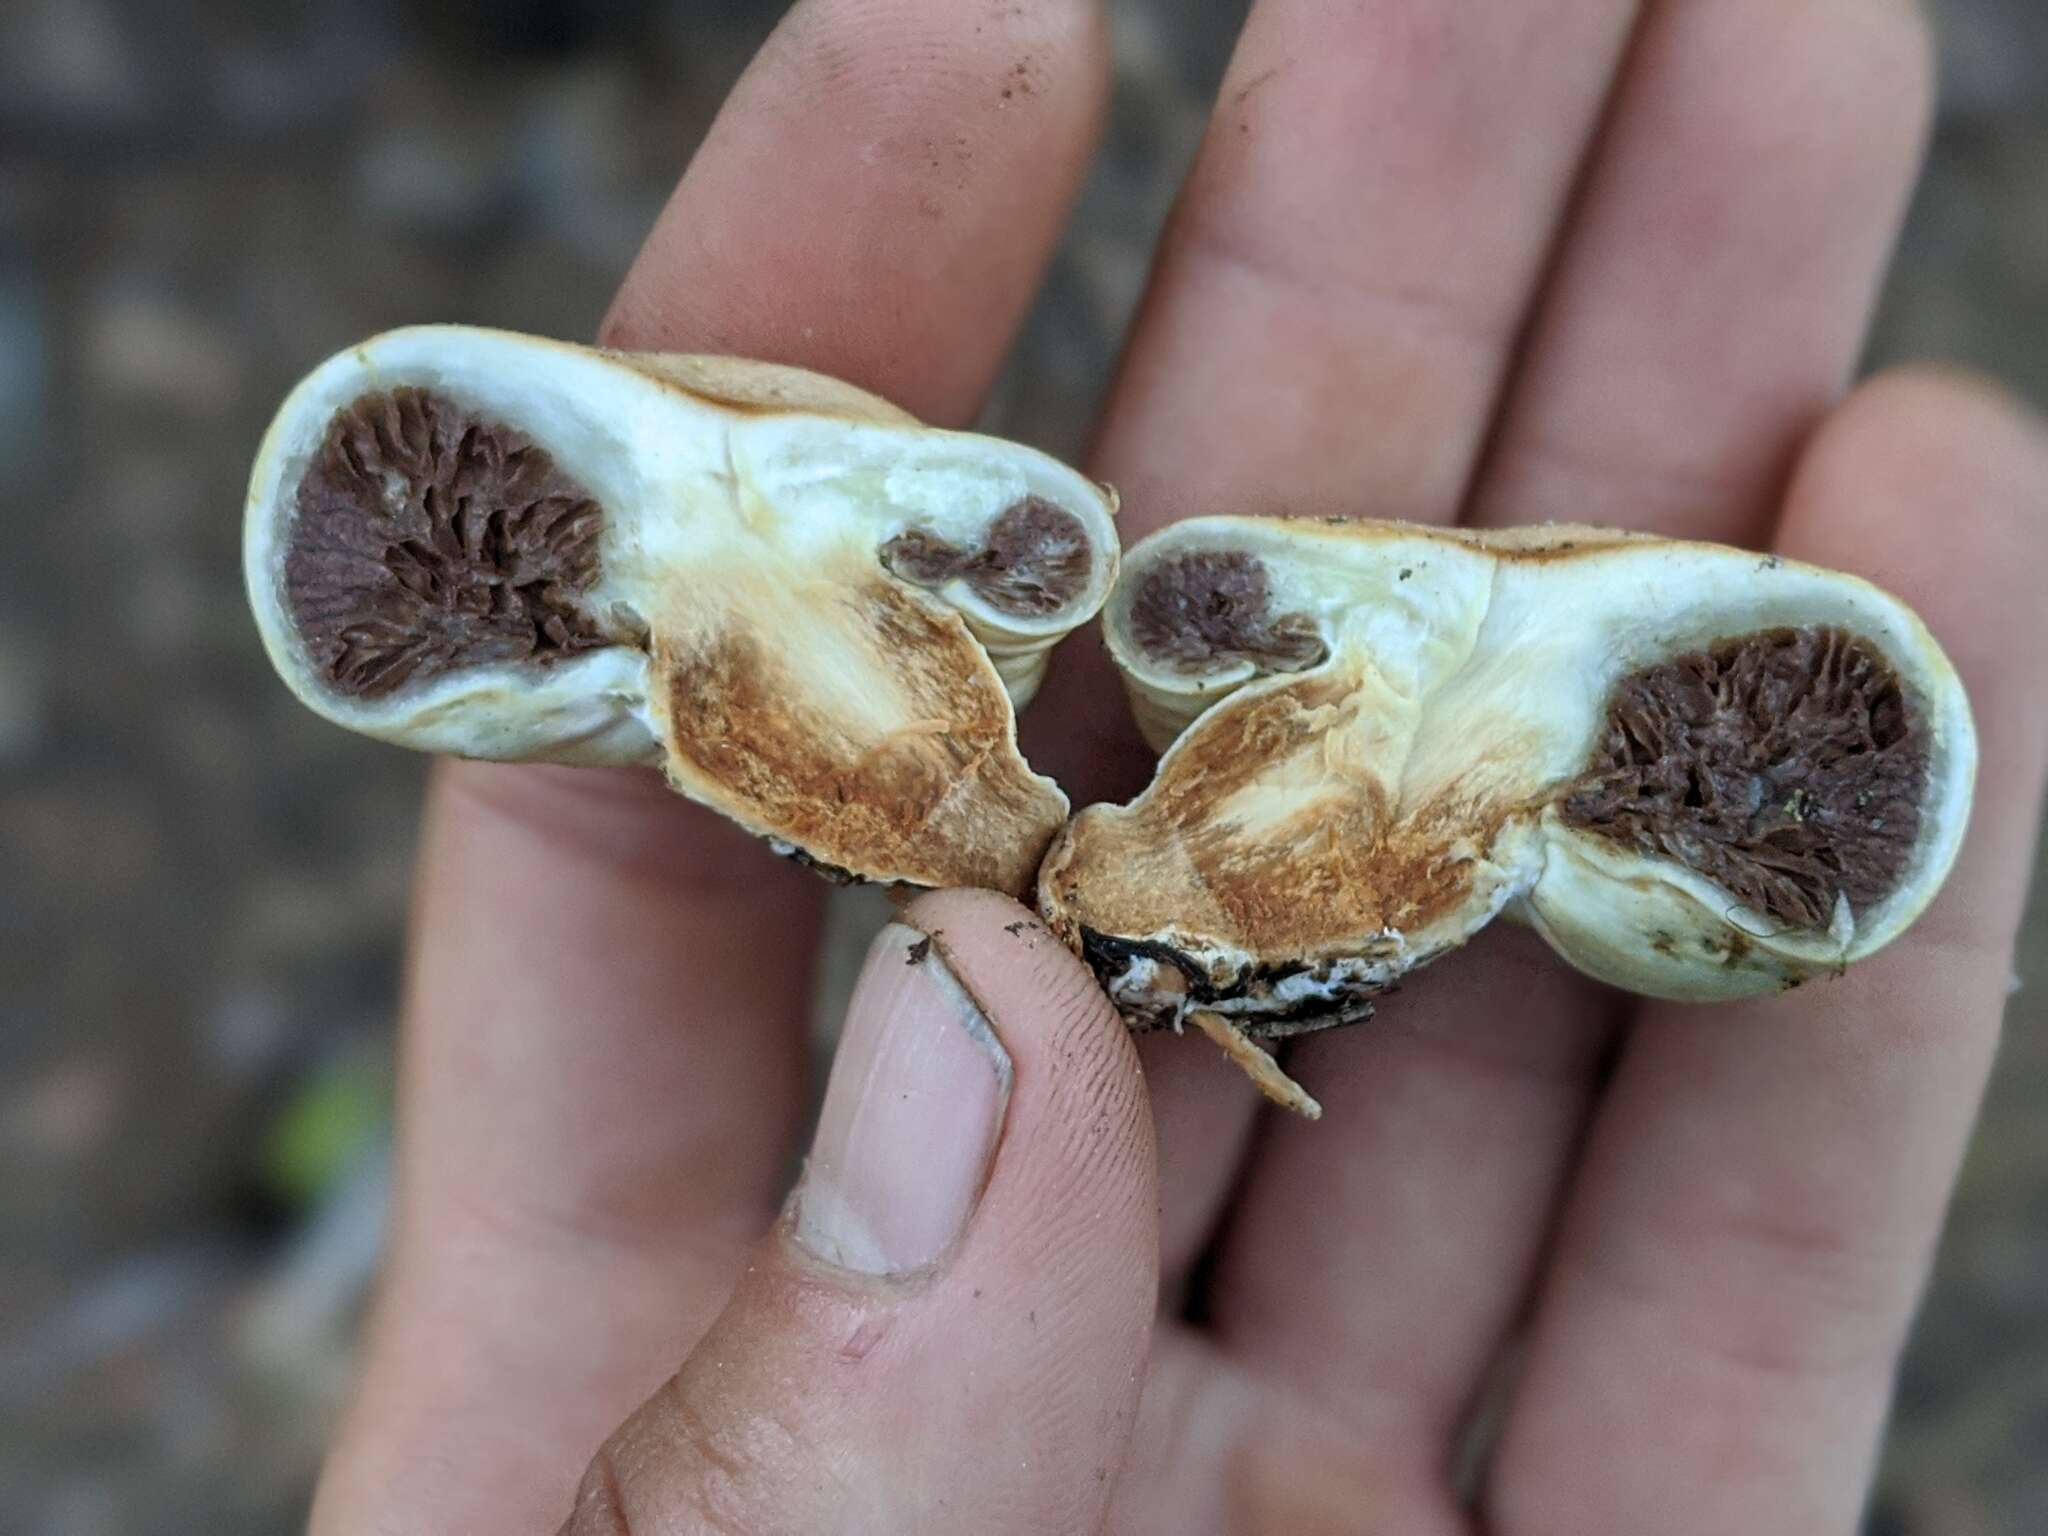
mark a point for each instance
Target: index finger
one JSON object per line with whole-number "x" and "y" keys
{"x": 602, "y": 1053}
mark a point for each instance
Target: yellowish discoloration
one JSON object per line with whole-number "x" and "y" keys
{"x": 758, "y": 648}
{"x": 741, "y": 384}
{"x": 1271, "y": 830}
{"x": 939, "y": 797}
{"x": 1258, "y": 1064}
{"x": 1309, "y": 837}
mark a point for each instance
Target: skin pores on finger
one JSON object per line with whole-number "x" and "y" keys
{"x": 882, "y": 1367}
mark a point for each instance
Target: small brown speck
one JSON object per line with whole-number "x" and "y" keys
{"x": 1245, "y": 92}
{"x": 915, "y": 955}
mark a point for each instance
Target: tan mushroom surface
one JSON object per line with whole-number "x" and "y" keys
{"x": 816, "y": 615}
{"x": 1697, "y": 771}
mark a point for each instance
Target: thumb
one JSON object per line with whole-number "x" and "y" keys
{"x": 947, "y": 1330}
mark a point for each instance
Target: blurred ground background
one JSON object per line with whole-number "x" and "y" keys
{"x": 201, "y": 885}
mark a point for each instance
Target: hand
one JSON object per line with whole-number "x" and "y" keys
{"x": 1496, "y": 261}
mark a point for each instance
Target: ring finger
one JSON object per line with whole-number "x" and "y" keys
{"x": 1332, "y": 311}
{"x": 1448, "y": 1141}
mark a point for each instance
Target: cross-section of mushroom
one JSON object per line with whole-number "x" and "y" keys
{"x": 1700, "y": 773}
{"x": 815, "y": 614}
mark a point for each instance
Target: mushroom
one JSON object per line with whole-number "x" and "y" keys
{"x": 1698, "y": 772}
{"x": 815, "y": 614}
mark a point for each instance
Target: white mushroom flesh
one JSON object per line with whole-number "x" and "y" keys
{"x": 815, "y": 614}
{"x": 1699, "y": 772}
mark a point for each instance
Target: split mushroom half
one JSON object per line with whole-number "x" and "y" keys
{"x": 1698, "y": 772}
{"x": 815, "y": 614}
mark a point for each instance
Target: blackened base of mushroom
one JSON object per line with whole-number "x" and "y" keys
{"x": 834, "y": 873}
{"x": 1253, "y": 1002}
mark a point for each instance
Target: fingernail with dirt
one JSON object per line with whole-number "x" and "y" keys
{"x": 911, "y": 1116}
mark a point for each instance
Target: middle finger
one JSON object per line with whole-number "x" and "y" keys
{"x": 1332, "y": 311}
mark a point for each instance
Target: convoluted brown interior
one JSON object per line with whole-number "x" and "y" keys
{"x": 1195, "y": 610}
{"x": 1786, "y": 766}
{"x": 1035, "y": 560}
{"x": 428, "y": 538}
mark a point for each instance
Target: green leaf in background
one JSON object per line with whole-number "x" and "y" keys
{"x": 333, "y": 1115}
